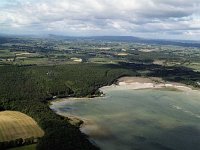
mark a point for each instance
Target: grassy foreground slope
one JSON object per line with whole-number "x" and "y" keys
{"x": 16, "y": 125}
{"x": 27, "y": 147}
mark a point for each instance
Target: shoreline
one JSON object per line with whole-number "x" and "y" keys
{"x": 122, "y": 83}
{"x": 141, "y": 83}
{"x": 134, "y": 83}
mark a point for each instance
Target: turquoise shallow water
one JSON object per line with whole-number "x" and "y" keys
{"x": 139, "y": 119}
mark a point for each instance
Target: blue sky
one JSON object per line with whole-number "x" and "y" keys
{"x": 170, "y": 19}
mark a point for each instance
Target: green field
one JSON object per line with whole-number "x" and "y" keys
{"x": 101, "y": 60}
{"x": 27, "y": 147}
{"x": 15, "y": 125}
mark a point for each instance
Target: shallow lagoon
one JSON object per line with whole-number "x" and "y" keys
{"x": 139, "y": 119}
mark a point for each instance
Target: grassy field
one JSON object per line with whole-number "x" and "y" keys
{"x": 14, "y": 125}
{"x": 27, "y": 147}
{"x": 194, "y": 66}
{"x": 102, "y": 60}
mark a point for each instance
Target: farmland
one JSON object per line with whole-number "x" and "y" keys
{"x": 51, "y": 51}
{"x": 15, "y": 125}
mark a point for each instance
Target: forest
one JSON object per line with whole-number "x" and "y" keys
{"x": 28, "y": 88}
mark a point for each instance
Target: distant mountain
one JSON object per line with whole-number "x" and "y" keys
{"x": 116, "y": 38}
{"x": 133, "y": 39}
{"x": 184, "y": 43}
{"x": 97, "y": 38}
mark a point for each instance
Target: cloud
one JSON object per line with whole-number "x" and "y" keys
{"x": 102, "y": 17}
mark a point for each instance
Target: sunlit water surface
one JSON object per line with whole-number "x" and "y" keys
{"x": 139, "y": 119}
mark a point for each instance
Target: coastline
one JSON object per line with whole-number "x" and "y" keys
{"x": 132, "y": 83}
{"x": 122, "y": 83}
{"x": 139, "y": 83}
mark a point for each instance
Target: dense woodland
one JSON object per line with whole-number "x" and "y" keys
{"x": 28, "y": 88}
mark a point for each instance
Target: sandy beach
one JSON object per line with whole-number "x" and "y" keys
{"x": 136, "y": 83}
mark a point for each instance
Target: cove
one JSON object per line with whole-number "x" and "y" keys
{"x": 147, "y": 119}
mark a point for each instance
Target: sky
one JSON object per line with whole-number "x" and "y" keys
{"x": 160, "y": 19}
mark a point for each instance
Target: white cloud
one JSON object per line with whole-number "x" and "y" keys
{"x": 102, "y": 17}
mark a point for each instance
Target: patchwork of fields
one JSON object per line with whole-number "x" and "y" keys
{"x": 15, "y": 125}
